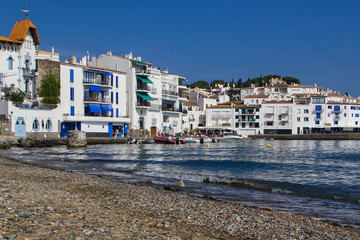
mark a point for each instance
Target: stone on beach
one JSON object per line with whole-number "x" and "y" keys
{"x": 76, "y": 138}
{"x": 180, "y": 184}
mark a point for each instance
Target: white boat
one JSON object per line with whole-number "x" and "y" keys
{"x": 191, "y": 140}
{"x": 228, "y": 136}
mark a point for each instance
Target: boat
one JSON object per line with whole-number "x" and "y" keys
{"x": 168, "y": 140}
{"x": 228, "y": 136}
{"x": 191, "y": 140}
{"x": 146, "y": 142}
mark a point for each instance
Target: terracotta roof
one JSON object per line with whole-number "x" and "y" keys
{"x": 278, "y": 102}
{"x": 5, "y": 39}
{"x": 316, "y": 95}
{"x": 342, "y": 103}
{"x": 221, "y": 106}
{"x": 234, "y": 102}
{"x": 257, "y": 96}
{"x": 334, "y": 95}
{"x": 247, "y": 106}
{"x": 20, "y": 30}
{"x": 189, "y": 104}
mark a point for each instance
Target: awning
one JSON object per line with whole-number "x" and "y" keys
{"x": 144, "y": 79}
{"x": 145, "y": 96}
{"x": 106, "y": 108}
{"x": 139, "y": 63}
{"x": 95, "y": 108}
{"x": 107, "y": 73}
{"x": 94, "y": 88}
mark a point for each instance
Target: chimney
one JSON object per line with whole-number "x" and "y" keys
{"x": 73, "y": 60}
{"x": 52, "y": 50}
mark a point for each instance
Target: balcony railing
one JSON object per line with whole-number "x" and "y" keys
{"x": 167, "y": 92}
{"x": 35, "y": 106}
{"x": 337, "y": 110}
{"x": 142, "y": 88}
{"x": 28, "y": 73}
{"x": 170, "y": 110}
{"x": 95, "y": 99}
{"x": 97, "y": 82}
{"x": 143, "y": 104}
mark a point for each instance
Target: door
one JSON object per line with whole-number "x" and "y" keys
{"x": 20, "y": 127}
{"x": 153, "y": 131}
{"x": 111, "y": 129}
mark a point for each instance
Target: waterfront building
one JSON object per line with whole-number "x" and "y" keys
{"x": 154, "y": 98}
{"x": 17, "y": 62}
{"x": 194, "y": 117}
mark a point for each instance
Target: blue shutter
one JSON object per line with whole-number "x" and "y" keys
{"x": 71, "y": 94}
{"x": 117, "y": 98}
{"x": 72, "y": 111}
{"x": 117, "y": 112}
{"x": 71, "y": 75}
{"x": 117, "y": 81}
{"x": 112, "y": 80}
{"x": 112, "y": 97}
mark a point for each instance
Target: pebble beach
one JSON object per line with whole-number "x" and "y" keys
{"x": 42, "y": 203}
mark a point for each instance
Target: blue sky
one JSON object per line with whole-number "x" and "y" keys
{"x": 315, "y": 41}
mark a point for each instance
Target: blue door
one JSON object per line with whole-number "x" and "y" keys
{"x": 20, "y": 127}
{"x": 125, "y": 129}
{"x": 111, "y": 129}
{"x": 65, "y": 127}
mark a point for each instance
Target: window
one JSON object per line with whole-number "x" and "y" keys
{"x": 36, "y": 125}
{"x": 306, "y": 119}
{"x": 71, "y": 75}
{"x": 117, "y": 112}
{"x": 344, "y": 114}
{"x": 243, "y": 125}
{"x": 112, "y": 81}
{"x": 257, "y": 109}
{"x": 237, "y": 125}
{"x": 318, "y": 108}
{"x": 72, "y": 111}
{"x": 336, "y": 122}
{"x": 298, "y": 111}
{"x": 117, "y": 98}
{"x": 318, "y": 115}
{"x": 10, "y": 63}
{"x": 71, "y": 94}
{"x": 329, "y": 107}
{"x": 112, "y": 97}
{"x": 236, "y": 110}
{"x": 344, "y": 107}
{"x": 306, "y": 110}
{"x": 298, "y": 119}
{"x": 357, "y": 115}
{"x": 317, "y": 122}
{"x": 257, "y": 117}
{"x": 48, "y": 125}
{"x": 356, "y": 122}
{"x": 117, "y": 82}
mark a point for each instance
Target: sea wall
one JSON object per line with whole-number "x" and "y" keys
{"x": 316, "y": 136}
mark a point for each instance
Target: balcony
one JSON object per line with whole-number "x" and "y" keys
{"x": 284, "y": 113}
{"x": 143, "y": 104}
{"x": 318, "y": 109}
{"x": 167, "y": 92}
{"x": 336, "y": 109}
{"x": 28, "y": 73}
{"x": 337, "y": 117}
{"x": 170, "y": 110}
{"x": 97, "y": 100}
{"x": 191, "y": 119}
{"x": 143, "y": 89}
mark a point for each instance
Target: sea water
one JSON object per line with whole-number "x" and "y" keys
{"x": 320, "y": 179}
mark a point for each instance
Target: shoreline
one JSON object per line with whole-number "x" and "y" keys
{"x": 40, "y": 202}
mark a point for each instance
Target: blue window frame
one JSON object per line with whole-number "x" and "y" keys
{"x": 112, "y": 97}
{"x": 318, "y": 115}
{"x": 357, "y": 115}
{"x": 71, "y": 94}
{"x": 72, "y": 111}
{"x": 111, "y": 112}
{"x": 317, "y": 122}
{"x": 337, "y": 108}
{"x": 117, "y": 82}
{"x": 329, "y": 107}
{"x": 344, "y": 114}
{"x": 117, "y": 98}
{"x": 344, "y": 107}
{"x": 356, "y": 122}
{"x": 10, "y": 63}
{"x": 336, "y": 122}
{"x": 117, "y": 112}
{"x": 318, "y": 108}
{"x": 71, "y": 75}
{"x": 112, "y": 80}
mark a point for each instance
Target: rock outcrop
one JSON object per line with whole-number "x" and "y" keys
{"x": 76, "y": 138}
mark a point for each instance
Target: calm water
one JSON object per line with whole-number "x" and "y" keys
{"x": 314, "y": 178}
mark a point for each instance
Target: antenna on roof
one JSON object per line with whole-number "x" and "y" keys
{"x": 26, "y": 12}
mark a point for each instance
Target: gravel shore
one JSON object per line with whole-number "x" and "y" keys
{"x": 40, "y": 203}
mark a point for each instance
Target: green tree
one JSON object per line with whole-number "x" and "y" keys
{"x": 222, "y": 82}
{"x": 200, "y": 84}
{"x": 15, "y": 95}
{"x": 290, "y": 80}
{"x": 239, "y": 83}
{"x": 49, "y": 88}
